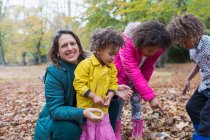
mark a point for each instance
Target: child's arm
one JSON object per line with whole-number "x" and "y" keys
{"x": 95, "y": 98}
{"x": 148, "y": 67}
{"x": 81, "y": 81}
{"x": 113, "y": 86}
{"x": 194, "y": 71}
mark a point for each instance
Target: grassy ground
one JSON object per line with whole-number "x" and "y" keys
{"x": 22, "y": 97}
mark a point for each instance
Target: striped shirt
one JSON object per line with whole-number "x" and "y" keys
{"x": 201, "y": 55}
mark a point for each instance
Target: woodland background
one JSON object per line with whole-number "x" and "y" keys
{"x": 26, "y": 32}
{"x": 26, "y": 35}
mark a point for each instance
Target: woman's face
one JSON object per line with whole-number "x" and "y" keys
{"x": 68, "y": 48}
{"x": 149, "y": 50}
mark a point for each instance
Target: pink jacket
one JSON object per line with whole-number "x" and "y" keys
{"x": 127, "y": 63}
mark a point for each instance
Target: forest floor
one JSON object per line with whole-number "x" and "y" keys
{"x": 22, "y": 98}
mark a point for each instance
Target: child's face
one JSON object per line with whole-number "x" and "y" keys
{"x": 149, "y": 50}
{"x": 188, "y": 43}
{"x": 106, "y": 55}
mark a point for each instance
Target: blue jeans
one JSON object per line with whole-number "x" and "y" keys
{"x": 198, "y": 108}
{"x": 135, "y": 101}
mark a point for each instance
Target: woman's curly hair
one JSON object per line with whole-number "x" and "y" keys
{"x": 103, "y": 37}
{"x": 151, "y": 33}
{"x": 185, "y": 27}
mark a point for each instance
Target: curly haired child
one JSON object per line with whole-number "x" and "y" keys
{"x": 96, "y": 82}
{"x": 188, "y": 31}
{"x": 144, "y": 43}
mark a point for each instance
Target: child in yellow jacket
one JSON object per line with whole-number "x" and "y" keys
{"x": 96, "y": 81}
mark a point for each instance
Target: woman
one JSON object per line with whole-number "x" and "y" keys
{"x": 60, "y": 119}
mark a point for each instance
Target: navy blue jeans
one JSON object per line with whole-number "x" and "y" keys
{"x": 198, "y": 108}
{"x": 135, "y": 101}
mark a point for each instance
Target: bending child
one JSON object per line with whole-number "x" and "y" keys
{"x": 188, "y": 31}
{"x": 96, "y": 82}
{"x": 135, "y": 62}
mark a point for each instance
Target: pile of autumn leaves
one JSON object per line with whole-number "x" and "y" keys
{"x": 22, "y": 99}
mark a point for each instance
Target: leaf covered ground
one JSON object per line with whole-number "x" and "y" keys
{"x": 22, "y": 97}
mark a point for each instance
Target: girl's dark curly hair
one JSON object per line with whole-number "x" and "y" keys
{"x": 103, "y": 37}
{"x": 185, "y": 27}
{"x": 53, "y": 52}
{"x": 151, "y": 33}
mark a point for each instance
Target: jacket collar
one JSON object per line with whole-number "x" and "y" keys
{"x": 202, "y": 41}
{"x": 94, "y": 60}
{"x": 67, "y": 66}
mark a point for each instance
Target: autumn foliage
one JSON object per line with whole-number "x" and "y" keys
{"x": 22, "y": 97}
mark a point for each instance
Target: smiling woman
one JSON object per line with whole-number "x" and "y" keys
{"x": 60, "y": 119}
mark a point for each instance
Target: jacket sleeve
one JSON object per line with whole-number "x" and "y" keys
{"x": 113, "y": 81}
{"x": 54, "y": 93}
{"x": 81, "y": 77}
{"x": 133, "y": 72}
{"x": 148, "y": 67}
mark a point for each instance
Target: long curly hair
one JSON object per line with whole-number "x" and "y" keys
{"x": 53, "y": 52}
{"x": 100, "y": 38}
{"x": 185, "y": 27}
{"x": 151, "y": 33}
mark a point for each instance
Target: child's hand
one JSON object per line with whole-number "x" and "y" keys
{"x": 96, "y": 99}
{"x": 154, "y": 104}
{"x": 124, "y": 92}
{"x": 186, "y": 87}
{"x": 89, "y": 114}
{"x": 108, "y": 99}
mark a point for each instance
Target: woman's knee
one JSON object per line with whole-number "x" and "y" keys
{"x": 63, "y": 130}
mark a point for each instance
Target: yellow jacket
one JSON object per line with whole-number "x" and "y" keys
{"x": 90, "y": 74}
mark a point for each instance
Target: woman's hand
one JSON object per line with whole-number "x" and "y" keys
{"x": 186, "y": 87}
{"x": 154, "y": 104}
{"x": 124, "y": 92}
{"x": 89, "y": 114}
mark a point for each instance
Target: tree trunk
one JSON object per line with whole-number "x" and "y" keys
{"x": 2, "y": 14}
{"x": 38, "y": 52}
{"x": 2, "y": 58}
{"x": 23, "y": 60}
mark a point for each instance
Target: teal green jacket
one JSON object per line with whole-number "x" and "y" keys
{"x": 60, "y": 100}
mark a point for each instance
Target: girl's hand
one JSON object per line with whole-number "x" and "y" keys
{"x": 96, "y": 99}
{"x": 89, "y": 114}
{"x": 154, "y": 104}
{"x": 186, "y": 87}
{"x": 108, "y": 99}
{"x": 124, "y": 92}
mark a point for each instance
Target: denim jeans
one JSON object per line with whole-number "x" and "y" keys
{"x": 198, "y": 108}
{"x": 135, "y": 101}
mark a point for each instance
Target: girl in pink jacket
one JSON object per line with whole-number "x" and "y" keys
{"x": 135, "y": 62}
